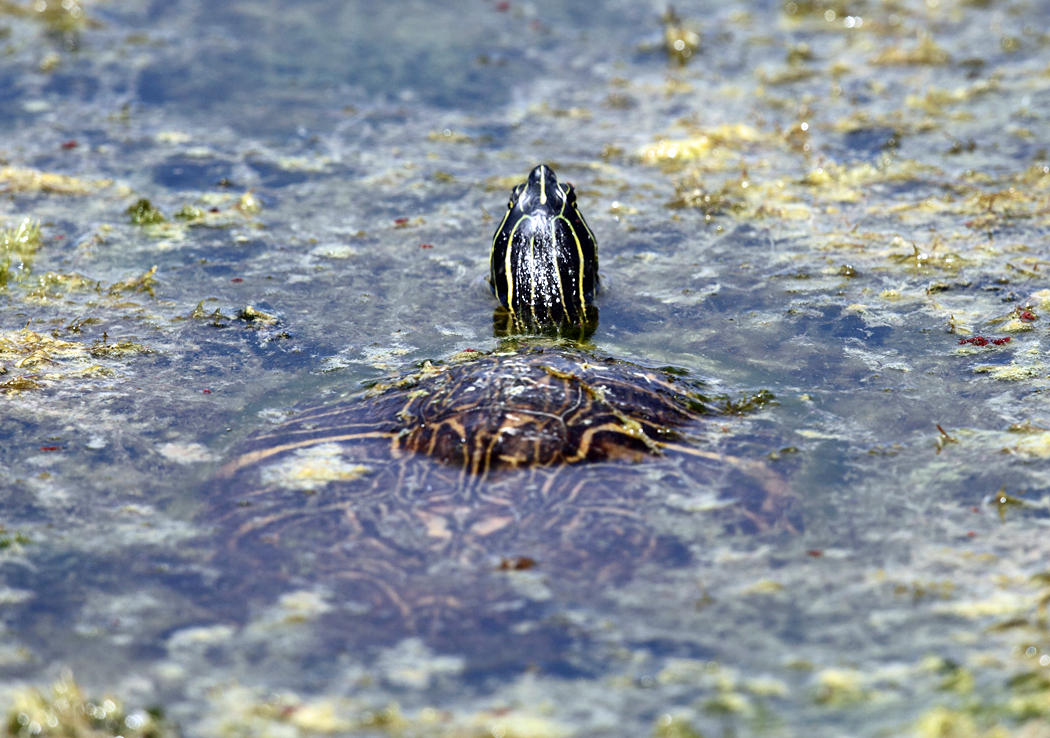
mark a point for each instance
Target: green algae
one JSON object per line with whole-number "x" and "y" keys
{"x": 18, "y": 246}
{"x": 1020, "y": 704}
{"x": 143, "y": 212}
{"x": 220, "y": 210}
{"x": 54, "y": 285}
{"x": 249, "y": 315}
{"x": 65, "y": 711}
{"x": 34, "y": 360}
{"x": 672, "y": 727}
{"x": 748, "y": 404}
{"x": 681, "y": 41}
{"x": 241, "y": 711}
{"x": 190, "y": 213}
{"x": 255, "y": 317}
{"x": 9, "y": 539}
{"x": 1003, "y": 502}
{"x": 65, "y": 17}
{"x": 216, "y": 318}
{"x": 101, "y": 348}
{"x": 144, "y": 282}
{"x": 23, "y": 180}
{"x": 925, "y": 51}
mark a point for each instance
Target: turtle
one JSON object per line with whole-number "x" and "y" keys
{"x": 437, "y": 503}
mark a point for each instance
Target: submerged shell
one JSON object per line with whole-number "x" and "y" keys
{"x": 413, "y": 501}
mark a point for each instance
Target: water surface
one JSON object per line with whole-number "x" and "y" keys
{"x": 826, "y": 201}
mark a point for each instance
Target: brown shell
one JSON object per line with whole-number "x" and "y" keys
{"x": 420, "y": 500}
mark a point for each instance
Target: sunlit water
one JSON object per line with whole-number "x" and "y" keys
{"x": 823, "y": 202}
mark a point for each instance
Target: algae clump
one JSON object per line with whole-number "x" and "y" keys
{"x": 18, "y": 245}
{"x": 65, "y": 711}
{"x": 144, "y": 213}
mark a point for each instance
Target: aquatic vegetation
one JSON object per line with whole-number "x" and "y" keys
{"x": 248, "y": 204}
{"x": 944, "y": 438}
{"x": 1034, "y": 443}
{"x": 671, "y": 727}
{"x": 144, "y": 213}
{"x": 840, "y": 687}
{"x": 30, "y": 360}
{"x": 251, "y": 316}
{"x": 220, "y": 210}
{"x": 52, "y": 285}
{"x": 26, "y": 348}
{"x": 255, "y": 317}
{"x": 191, "y": 213}
{"x": 925, "y": 52}
{"x": 18, "y": 246}
{"x": 1004, "y": 501}
{"x": 58, "y": 16}
{"x": 447, "y": 135}
{"x": 749, "y": 403}
{"x": 240, "y": 711}
{"x": 16, "y": 180}
{"x": 12, "y": 538}
{"x": 680, "y": 41}
{"x": 1012, "y": 372}
{"x": 64, "y": 711}
{"x": 216, "y": 318}
{"x": 102, "y": 348}
{"x": 145, "y": 282}
{"x": 672, "y": 154}
{"x": 1020, "y": 705}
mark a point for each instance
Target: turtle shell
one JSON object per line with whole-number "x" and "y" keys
{"x": 417, "y": 503}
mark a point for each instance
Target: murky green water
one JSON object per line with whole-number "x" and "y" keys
{"x": 825, "y": 202}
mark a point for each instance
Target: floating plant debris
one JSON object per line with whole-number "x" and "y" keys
{"x": 65, "y": 711}
{"x": 984, "y": 341}
{"x": 144, "y": 213}
{"x": 13, "y": 179}
{"x": 18, "y": 246}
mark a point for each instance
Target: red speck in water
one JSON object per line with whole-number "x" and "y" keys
{"x": 470, "y": 351}
{"x": 206, "y": 391}
{"x": 815, "y": 553}
{"x": 974, "y": 509}
{"x": 213, "y": 210}
{"x": 237, "y": 279}
{"x": 60, "y": 237}
{"x": 971, "y": 534}
{"x": 70, "y": 144}
{"x": 503, "y": 7}
{"x": 426, "y": 245}
{"x": 50, "y": 448}
{"x": 982, "y": 341}
{"x": 1027, "y": 315}
{"x": 400, "y": 222}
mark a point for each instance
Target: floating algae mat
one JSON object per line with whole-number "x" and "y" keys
{"x": 831, "y": 219}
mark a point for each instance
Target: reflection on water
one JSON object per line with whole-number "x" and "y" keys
{"x": 506, "y": 324}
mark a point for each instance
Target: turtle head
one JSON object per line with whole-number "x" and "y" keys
{"x": 544, "y": 260}
{"x": 542, "y": 193}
